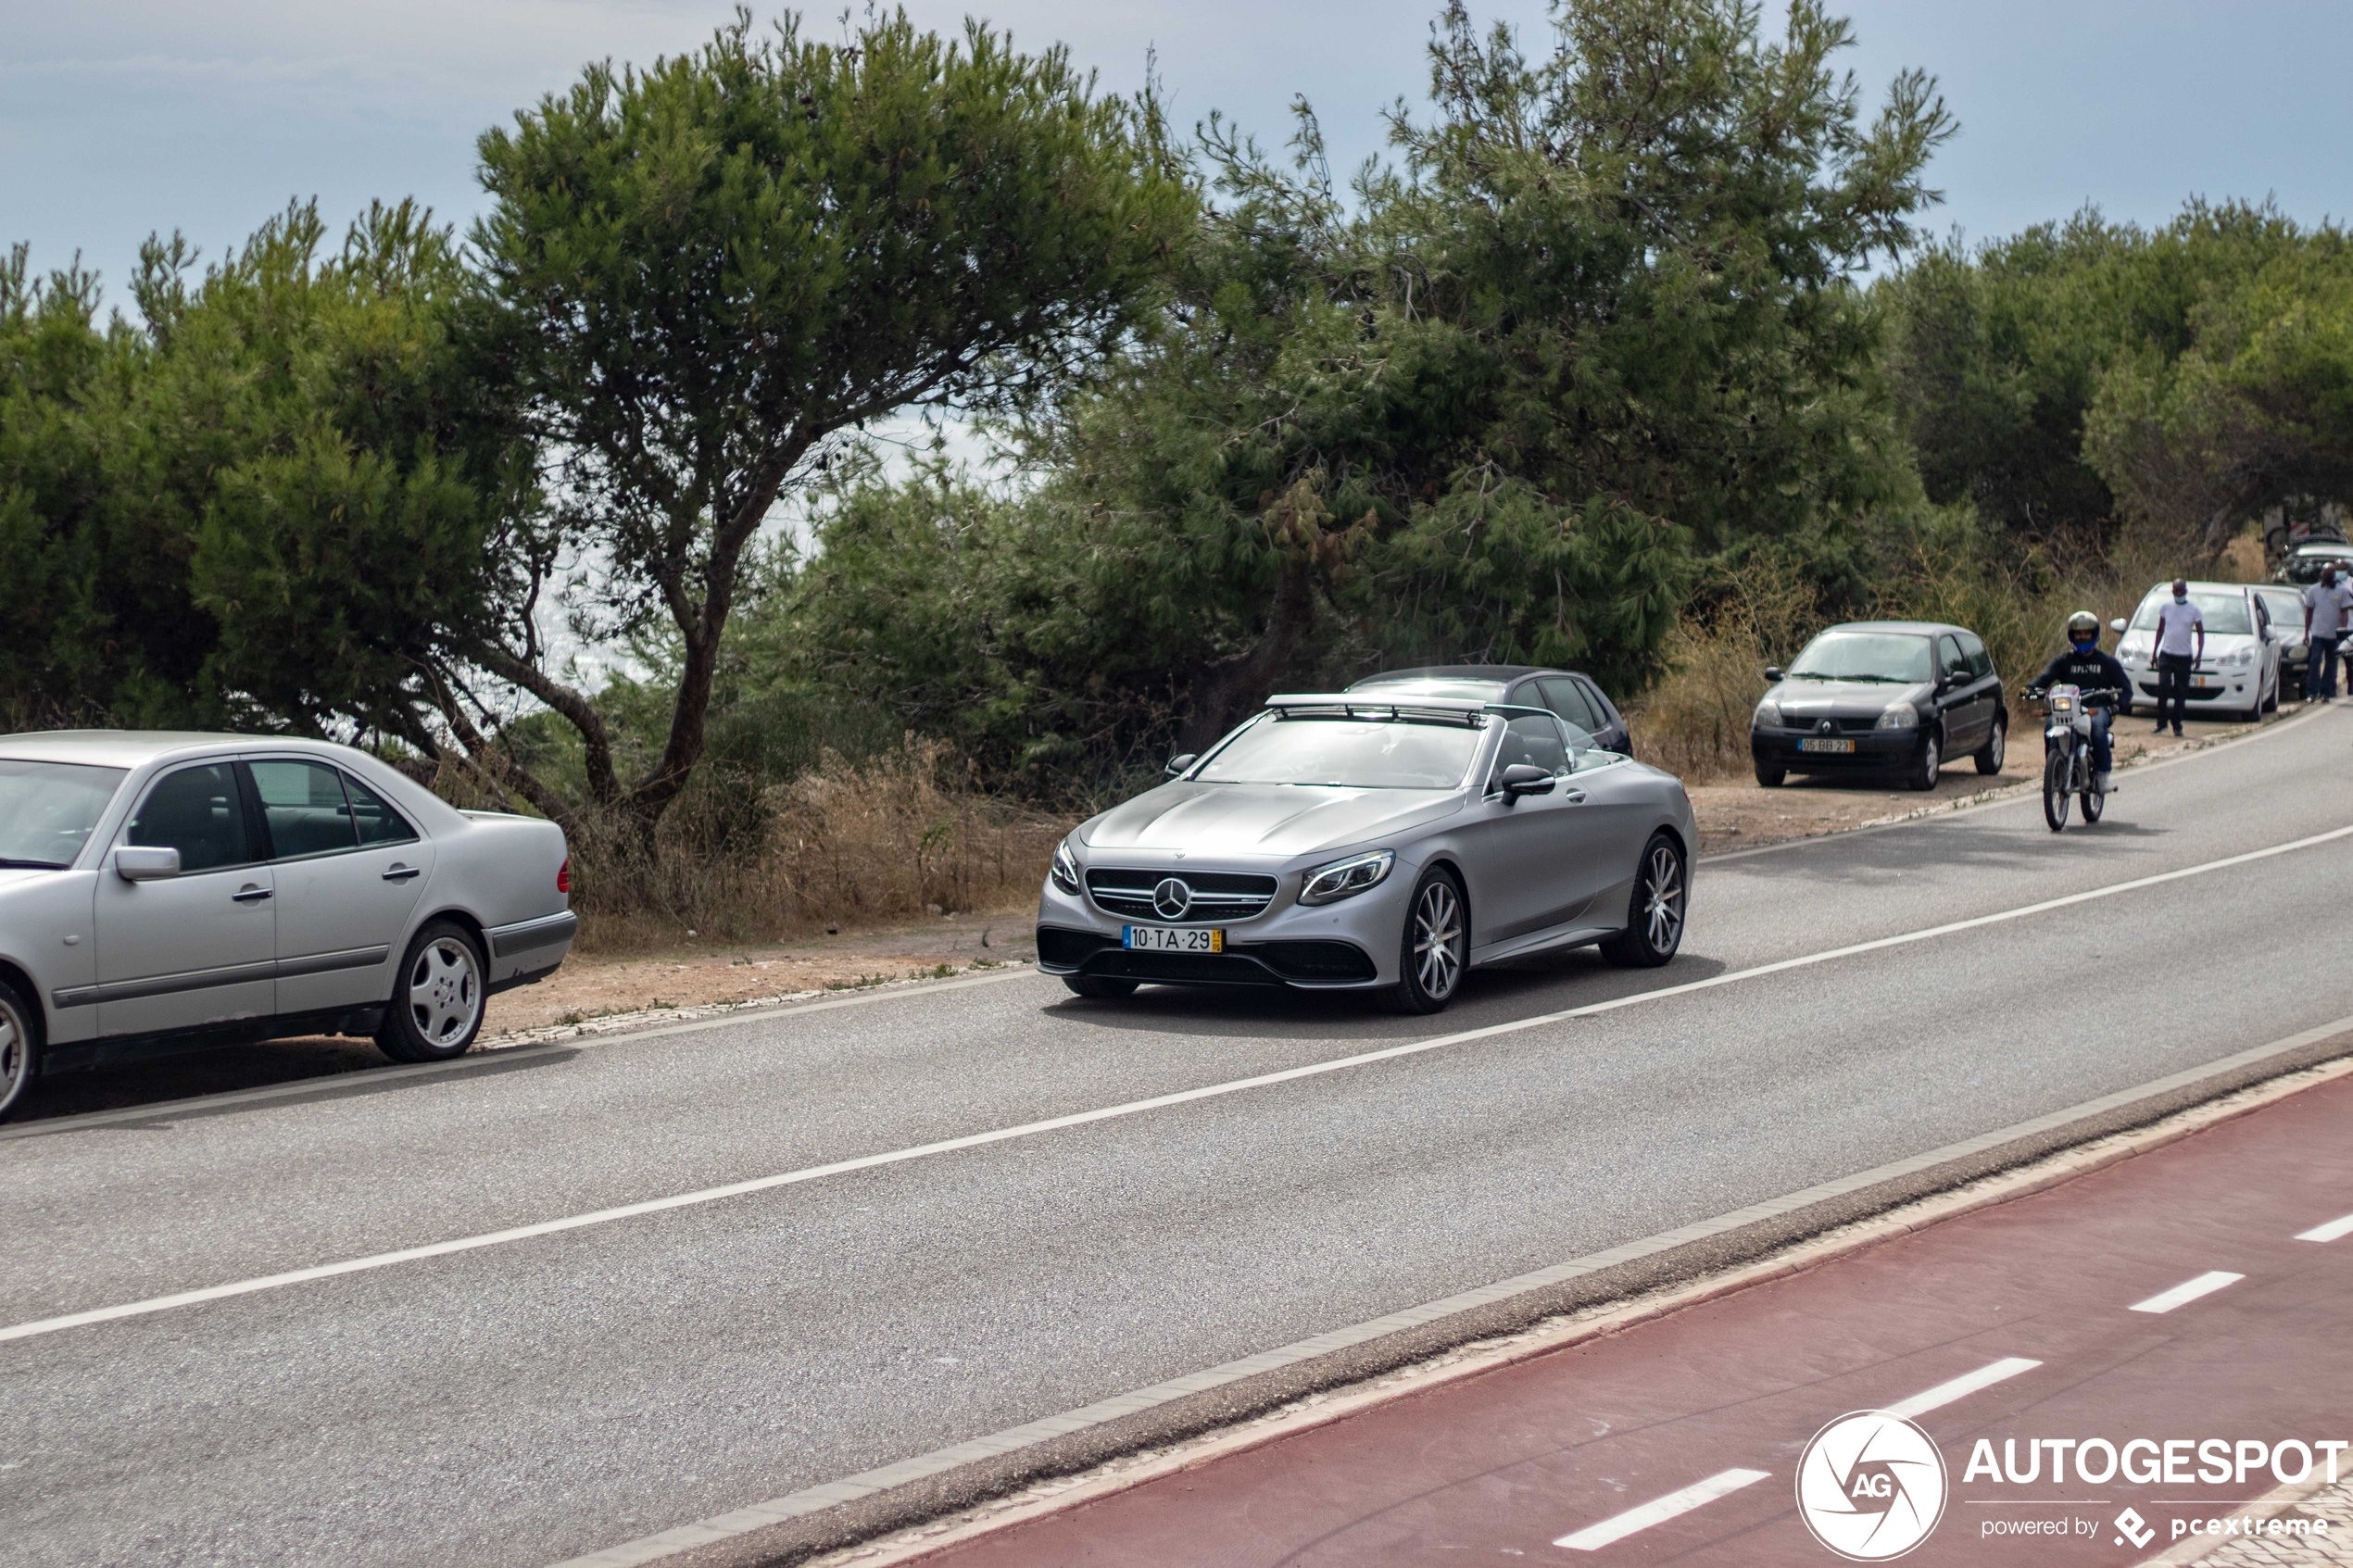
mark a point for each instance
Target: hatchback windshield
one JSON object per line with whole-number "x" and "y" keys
{"x": 1897, "y": 658}
{"x": 2224, "y": 611}
{"x": 48, "y": 808}
{"x": 1351, "y": 753}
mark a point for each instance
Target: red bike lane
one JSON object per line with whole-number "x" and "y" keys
{"x": 2197, "y": 1293}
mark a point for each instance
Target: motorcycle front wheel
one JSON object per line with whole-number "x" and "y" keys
{"x": 2054, "y": 790}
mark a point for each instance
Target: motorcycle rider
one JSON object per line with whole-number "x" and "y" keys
{"x": 2084, "y": 666}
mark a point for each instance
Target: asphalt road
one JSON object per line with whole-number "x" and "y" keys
{"x": 523, "y": 1403}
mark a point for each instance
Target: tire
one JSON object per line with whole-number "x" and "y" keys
{"x": 2094, "y": 803}
{"x": 19, "y": 1049}
{"x": 436, "y": 1008}
{"x": 1433, "y": 951}
{"x": 1929, "y": 765}
{"x": 1771, "y": 778}
{"x": 2054, "y": 770}
{"x": 1103, "y": 988}
{"x": 1991, "y": 756}
{"x": 1658, "y": 910}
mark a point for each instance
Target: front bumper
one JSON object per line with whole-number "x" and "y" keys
{"x": 1873, "y": 749}
{"x": 1351, "y": 944}
{"x": 2234, "y": 691}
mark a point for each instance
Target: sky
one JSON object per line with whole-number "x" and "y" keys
{"x": 137, "y": 115}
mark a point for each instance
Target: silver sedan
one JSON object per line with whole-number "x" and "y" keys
{"x": 160, "y": 890}
{"x": 1369, "y": 843}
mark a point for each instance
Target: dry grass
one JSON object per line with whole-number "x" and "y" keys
{"x": 844, "y": 843}
{"x": 1695, "y": 722}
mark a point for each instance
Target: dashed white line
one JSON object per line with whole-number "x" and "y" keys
{"x": 2187, "y": 1291}
{"x": 1659, "y": 1509}
{"x": 2329, "y": 1232}
{"x": 1962, "y": 1387}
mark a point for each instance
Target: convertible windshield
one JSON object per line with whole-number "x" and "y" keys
{"x": 2225, "y": 612}
{"x": 1350, "y": 753}
{"x": 48, "y": 808}
{"x": 1898, "y": 658}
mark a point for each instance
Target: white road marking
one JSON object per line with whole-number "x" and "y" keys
{"x": 1961, "y": 1387}
{"x": 2329, "y": 1232}
{"x": 2187, "y": 1291}
{"x": 1114, "y": 1112}
{"x": 1595, "y": 1536}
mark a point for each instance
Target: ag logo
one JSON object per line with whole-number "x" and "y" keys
{"x": 1870, "y": 1486}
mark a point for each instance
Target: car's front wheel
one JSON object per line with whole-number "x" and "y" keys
{"x": 1991, "y": 756}
{"x": 1101, "y": 987}
{"x": 18, "y": 1041}
{"x": 1928, "y": 764}
{"x": 1655, "y": 914}
{"x": 1436, "y": 949}
{"x": 435, "y": 1009}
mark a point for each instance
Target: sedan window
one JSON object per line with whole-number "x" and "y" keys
{"x": 303, "y": 803}
{"x": 47, "y": 810}
{"x": 196, "y": 811}
{"x": 379, "y": 823}
{"x": 1564, "y": 697}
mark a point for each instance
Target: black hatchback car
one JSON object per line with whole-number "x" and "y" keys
{"x": 1903, "y": 695}
{"x": 1574, "y": 697}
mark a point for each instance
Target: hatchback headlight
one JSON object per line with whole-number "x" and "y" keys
{"x": 1900, "y": 716}
{"x": 1066, "y": 872}
{"x": 1345, "y": 879}
{"x": 1767, "y": 716}
{"x": 2237, "y": 658}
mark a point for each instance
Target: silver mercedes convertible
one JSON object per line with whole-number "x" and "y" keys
{"x": 1385, "y": 841}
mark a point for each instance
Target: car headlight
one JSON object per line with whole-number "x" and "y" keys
{"x": 1900, "y": 716}
{"x": 1768, "y": 715}
{"x": 1066, "y": 872}
{"x": 1345, "y": 879}
{"x": 2238, "y": 658}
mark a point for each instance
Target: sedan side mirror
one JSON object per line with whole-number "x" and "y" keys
{"x": 145, "y": 863}
{"x": 1526, "y": 778}
{"x": 2117, "y": 624}
{"x": 1177, "y": 765}
{"x": 1773, "y": 674}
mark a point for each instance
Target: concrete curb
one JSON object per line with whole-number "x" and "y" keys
{"x": 802, "y": 1525}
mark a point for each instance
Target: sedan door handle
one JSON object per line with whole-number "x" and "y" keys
{"x": 402, "y": 873}
{"x": 250, "y": 894}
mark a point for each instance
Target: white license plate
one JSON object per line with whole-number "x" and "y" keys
{"x": 1172, "y": 938}
{"x": 1844, "y": 747}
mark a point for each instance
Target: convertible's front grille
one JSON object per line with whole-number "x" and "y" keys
{"x": 1215, "y": 896}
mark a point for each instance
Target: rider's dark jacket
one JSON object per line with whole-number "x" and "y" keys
{"x": 2089, "y": 670}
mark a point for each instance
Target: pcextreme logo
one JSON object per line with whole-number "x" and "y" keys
{"x": 1870, "y": 1486}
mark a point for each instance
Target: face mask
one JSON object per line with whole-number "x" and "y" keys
{"x": 2084, "y": 645}
{"x": 2180, "y": 599}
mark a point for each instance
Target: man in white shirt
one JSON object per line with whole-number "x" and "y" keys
{"x": 2324, "y": 607}
{"x": 2180, "y": 644}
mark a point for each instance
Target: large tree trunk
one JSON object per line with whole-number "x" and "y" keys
{"x": 1232, "y": 687}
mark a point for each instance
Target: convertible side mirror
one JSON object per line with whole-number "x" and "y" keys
{"x": 144, "y": 863}
{"x": 2117, "y": 624}
{"x": 1526, "y": 778}
{"x": 1177, "y": 765}
{"x": 1773, "y": 674}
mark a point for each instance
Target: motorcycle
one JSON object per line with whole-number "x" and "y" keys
{"x": 2066, "y": 753}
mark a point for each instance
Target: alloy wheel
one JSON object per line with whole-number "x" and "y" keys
{"x": 16, "y": 1057}
{"x": 1438, "y": 940}
{"x": 444, "y": 991}
{"x": 1663, "y": 900}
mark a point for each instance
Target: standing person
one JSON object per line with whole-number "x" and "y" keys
{"x": 2323, "y": 625}
{"x": 2180, "y": 644}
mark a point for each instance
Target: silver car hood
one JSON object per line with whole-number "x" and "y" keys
{"x": 1263, "y": 820}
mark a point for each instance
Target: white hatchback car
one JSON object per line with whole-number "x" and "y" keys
{"x": 163, "y": 890}
{"x": 2239, "y": 677}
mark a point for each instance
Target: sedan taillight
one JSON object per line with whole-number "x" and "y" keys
{"x": 563, "y": 876}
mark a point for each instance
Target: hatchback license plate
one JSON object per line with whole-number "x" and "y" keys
{"x": 1844, "y": 747}
{"x": 1172, "y": 938}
